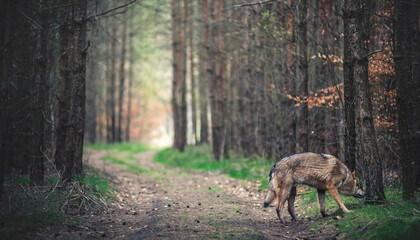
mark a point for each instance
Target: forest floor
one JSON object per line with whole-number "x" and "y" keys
{"x": 172, "y": 203}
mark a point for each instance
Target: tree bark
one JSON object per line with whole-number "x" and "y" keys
{"x": 36, "y": 167}
{"x": 358, "y": 22}
{"x": 112, "y": 105}
{"x": 179, "y": 105}
{"x": 349, "y": 89}
{"x": 122, "y": 79}
{"x": 64, "y": 103}
{"x": 405, "y": 54}
{"x": 70, "y": 130}
{"x": 92, "y": 83}
{"x": 130, "y": 74}
{"x": 190, "y": 11}
{"x": 218, "y": 82}
{"x": 79, "y": 80}
{"x": 302, "y": 143}
{"x": 205, "y": 74}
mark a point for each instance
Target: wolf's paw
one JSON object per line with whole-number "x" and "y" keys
{"x": 324, "y": 214}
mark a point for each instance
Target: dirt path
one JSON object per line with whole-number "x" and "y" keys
{"x": 168, "y": 203}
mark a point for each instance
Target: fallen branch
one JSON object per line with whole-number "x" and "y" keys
{"x": 57, "y": 172}
{"x": 367, "y": 225}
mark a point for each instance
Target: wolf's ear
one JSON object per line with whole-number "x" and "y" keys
{"x": 353, "y": 173}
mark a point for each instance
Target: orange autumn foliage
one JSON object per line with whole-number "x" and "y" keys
{"x": 326, "y": 97}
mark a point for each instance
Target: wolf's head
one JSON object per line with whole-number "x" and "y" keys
{"x": 351, "y": 187}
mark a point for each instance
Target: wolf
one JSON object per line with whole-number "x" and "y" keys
{"x": 318, "y": 170}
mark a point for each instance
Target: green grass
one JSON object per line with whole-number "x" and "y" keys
{"x": 123, "y": 154}
{"x": 124, "y": 162}
{"x": 199, "y": 158}
{"x": 394, "y": 219}
{"x": 132, "y": 148}
{"x": 97, "y": 182}
{"x": 16, "y": 180}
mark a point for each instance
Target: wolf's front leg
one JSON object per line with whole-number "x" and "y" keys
{"x": 334, "y": 193}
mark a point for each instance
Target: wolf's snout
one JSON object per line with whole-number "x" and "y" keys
{"x": 360, "y": 194}
{"x": 266, "y": 204}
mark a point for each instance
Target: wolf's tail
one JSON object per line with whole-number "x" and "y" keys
{"x": 271, "y": 195}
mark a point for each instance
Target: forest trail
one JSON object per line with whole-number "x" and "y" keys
{"x": 172, "y": 203}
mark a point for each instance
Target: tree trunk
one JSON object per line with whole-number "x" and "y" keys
{"x": 64, "y": 103}
{"x": 130, "y": 75}
{"x": 4, "y": 24}
{"x": 358, "y": 24}
{"x": 179, "y": 106}
{"x": 349, "y": 89}
{"x": 405, "y": 53}
{"x": 205, "y": 75}
{"x": 92, "y": 84}
{"x": 113, "y": 84}
{"x": 36, "y": 167}
{"x": 302, "y": 143}
{"x": 290, "y": 128}
{"x": 122, "y": 79}
{"x": 108, "y": 93}
{"x": 79, "y": 79}
{"x": 192, "y": 66}
{"x": 218, "y": 82}
{"x": 72, "y": 96}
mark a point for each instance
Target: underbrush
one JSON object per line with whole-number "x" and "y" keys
{"x": 199, "y": 158}
{"x": 25, "y": 208}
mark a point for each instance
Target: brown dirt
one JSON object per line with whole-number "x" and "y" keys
{"x": 170, "y": 203}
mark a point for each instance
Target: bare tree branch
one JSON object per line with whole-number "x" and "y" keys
{"x": 110, "y": 10}
{"x": 253, "y": 3}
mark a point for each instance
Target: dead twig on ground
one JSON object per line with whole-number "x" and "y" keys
{"x": 56, "y": 171}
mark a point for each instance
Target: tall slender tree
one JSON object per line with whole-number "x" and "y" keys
{"x": 349, "y": 88}
{"x": 36, "y": 167}
{"x": 302, "y": 143}
{"x": 111, "y": 92}
{"x": 357, "y": 21}
{"x": 130, "y": 74}
{"x": 122, "y": 79}
{"x": 70, "y": 130}
{"x": 218, "y": 82}
{"x": 406, "y": 54}
{"x": 190, "y": 12}
{"x": 179, "y": 104}
{"x": 205, "y": 73}
{"x": 92, "y": 84}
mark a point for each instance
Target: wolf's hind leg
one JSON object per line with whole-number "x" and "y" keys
{"x": 291, "y": 203}
{"x": 321, "y": 199}
{"x": 334, "y": 193}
